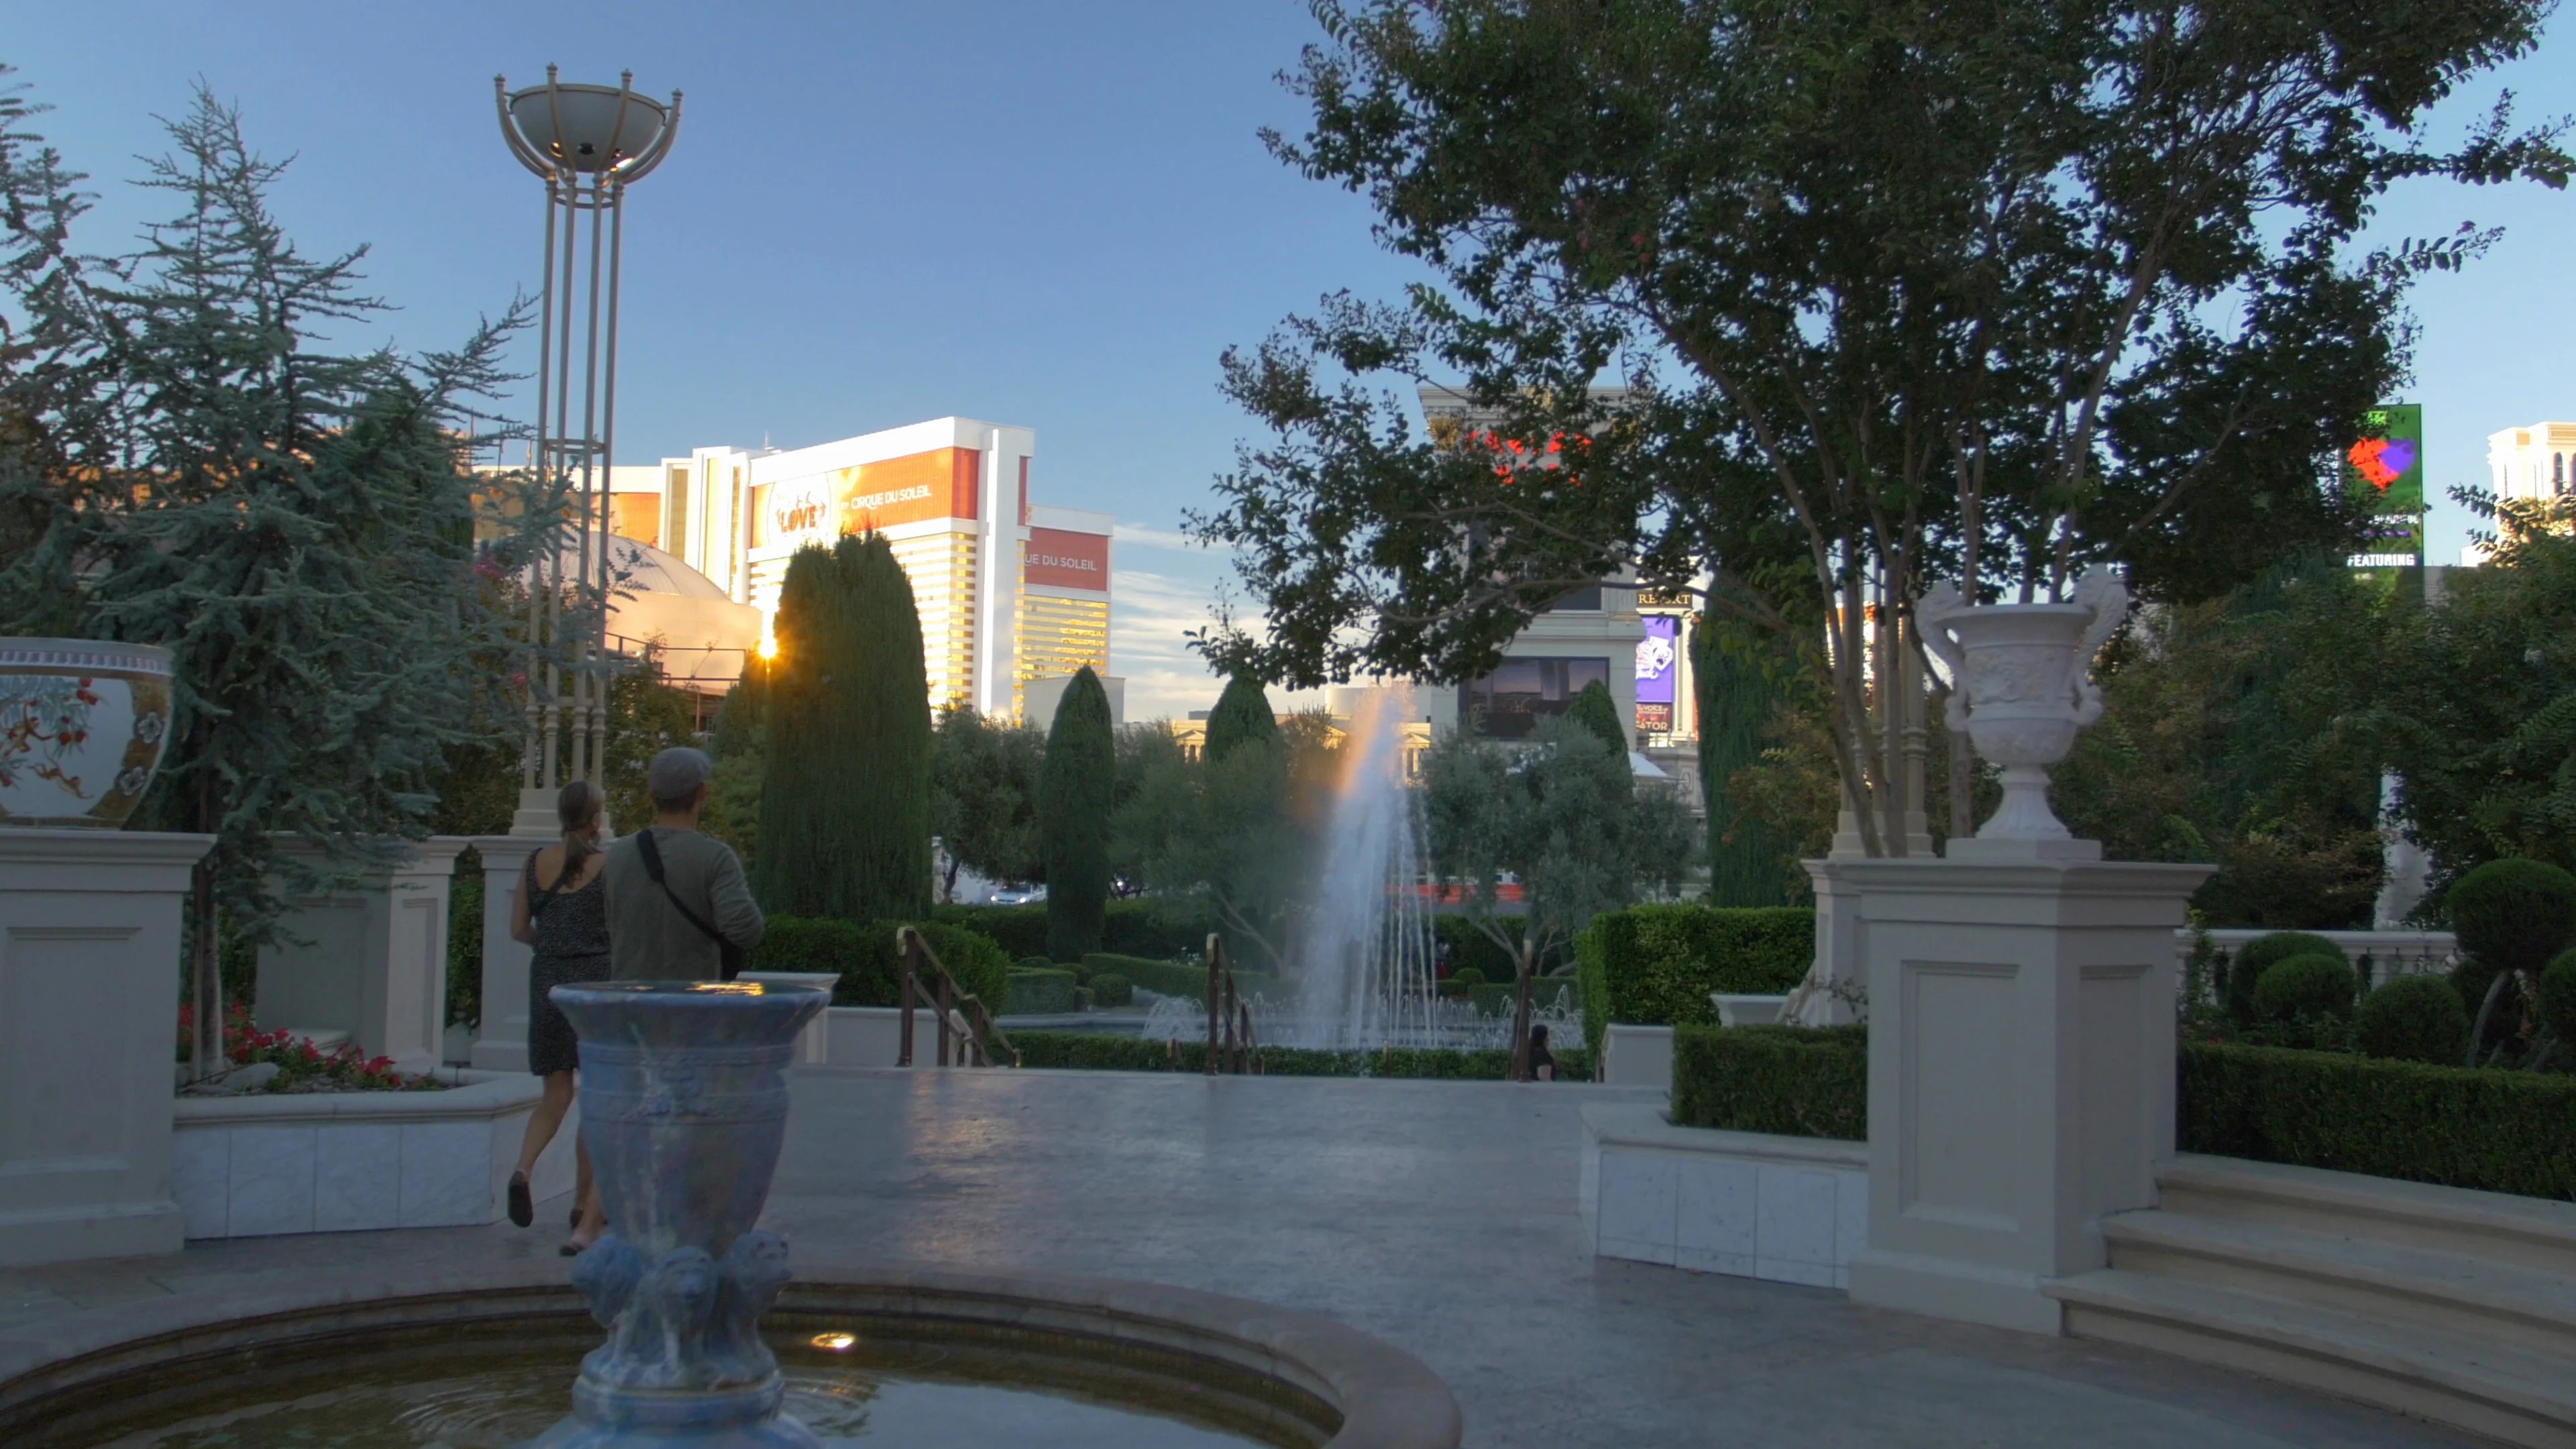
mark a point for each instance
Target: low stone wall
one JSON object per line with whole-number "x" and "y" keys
{"x": 1749, "y": 1204}
{"x": 1637, "y": 1056}
{"x": 324, "y": 1162}
{"x": 872, "y": 1036}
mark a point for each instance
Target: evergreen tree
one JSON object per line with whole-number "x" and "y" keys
{"x": 1242, "y": 713}
{"x": 845, "y": 791}
{"x": 1594, "y": 709}
{"x": 188, "y": 464}
{"x": 1738, "y": 698}
{"x": 1075, "y": 796}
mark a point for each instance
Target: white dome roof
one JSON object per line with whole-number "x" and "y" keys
{"x": 642, "y": 568}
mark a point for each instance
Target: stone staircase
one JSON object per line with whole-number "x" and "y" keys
{"x": 2451, "y": 1306}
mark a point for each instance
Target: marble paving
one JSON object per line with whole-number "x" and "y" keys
{"x": 1441, "y": 1216}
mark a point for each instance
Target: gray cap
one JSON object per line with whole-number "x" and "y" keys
{"x": 677, "y": 773}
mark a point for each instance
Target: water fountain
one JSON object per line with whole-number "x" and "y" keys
{"x": 1365, "y": 960}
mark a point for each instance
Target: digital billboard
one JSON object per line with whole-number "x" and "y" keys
{"x": 2389, "y": 470}
{"x": 1658, "y": 664}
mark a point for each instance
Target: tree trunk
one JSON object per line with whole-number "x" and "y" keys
{"x": 1528, "y": 962}
{"x": 206, "y": 977}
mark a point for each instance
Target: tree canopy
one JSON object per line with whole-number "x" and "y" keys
{"x": 1897, "y": 290}
{"x": 984, "y": 796}
{"x": 1075, "y": 793}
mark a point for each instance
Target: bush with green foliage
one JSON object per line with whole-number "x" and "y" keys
{"x": 1472, "y": 950}
{"x": 1158, "y": 930}
{"x": 2305, "y": 987}
{"x": 1794, "y": 1081}
{"x": 1076, "y": 798}
{"x": 1035, "y": 992}
{"x": 2415, "y": 1019}
{"x": 2557, "y": 999}
{"x": 1099, "y": 1051}
{"x": 863, "y": 955}
{"x": 1656, "y": 964}
{"x": 2494, "y": 1131}
{"x": 2514, "y": 915}
{"x": 1108, "y": 988}
{"x": 464, "y": 942}
{"x": 1242, "y": 713}
{"x": 1178, "y": 978}
{"x": 1466, "y": 977}
{"x": 2258, "y": 956}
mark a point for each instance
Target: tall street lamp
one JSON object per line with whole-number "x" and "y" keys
{"x": 588, "y": 144}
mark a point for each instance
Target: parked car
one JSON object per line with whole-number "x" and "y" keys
{"x": 1019, "y": 895}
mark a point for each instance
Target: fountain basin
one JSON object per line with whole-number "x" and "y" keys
{"x": 1241, "y": 1372}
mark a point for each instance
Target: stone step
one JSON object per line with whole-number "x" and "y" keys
{"x": 2443, "y": 1295}
{"x": 2516, "y": 1397}
{"x": 2495, "y": 1227}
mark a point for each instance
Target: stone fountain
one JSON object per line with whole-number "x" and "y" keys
{"x": 684, "y": 1108}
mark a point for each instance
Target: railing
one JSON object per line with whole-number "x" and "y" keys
{"x": 1230, "y": 1044}
{"x": 980, "y": 1041}
{"x": 2377, "y": 957}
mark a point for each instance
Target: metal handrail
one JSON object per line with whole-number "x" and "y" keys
{"x": 1231, "y": 1047}
{"x": 977, "y": 1039}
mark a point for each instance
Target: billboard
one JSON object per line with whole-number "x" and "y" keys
{"x": 2389, "y": 470}
{"x": 912, "y": 489}
{"x": 1061, "y": 559}
{"x": 1658, "y": 666}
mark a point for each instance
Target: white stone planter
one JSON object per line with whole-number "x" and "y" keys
{"x": 1747, "y": 1009}
{"x": 1637, "y": 1056}
{"x": 325, "y": 1162}
{"x": 872, "y": 1036}
{"x": 2024, "y": 690}
{"x": 1748, "y": 1204}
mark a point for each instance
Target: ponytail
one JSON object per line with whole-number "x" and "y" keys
{"x": 578, "y": 807}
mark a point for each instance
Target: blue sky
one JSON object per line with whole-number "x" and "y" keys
{"x": 1048, "y": 214}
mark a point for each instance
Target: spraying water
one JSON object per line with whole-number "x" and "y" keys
{"x": 1364, "y": 974}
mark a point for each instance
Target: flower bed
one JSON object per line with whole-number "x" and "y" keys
{"x": 301, "y": 1066}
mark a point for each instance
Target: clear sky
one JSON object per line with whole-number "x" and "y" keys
{"x": 1049, "y": 214}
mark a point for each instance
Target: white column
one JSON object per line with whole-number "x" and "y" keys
{"x": 501, "y": 1041}
{"x": 90, "y": 975}
{"x": 2021, "y": 1072}
{"x": 368, "y": 958}
{"x": 1834, "y": 979}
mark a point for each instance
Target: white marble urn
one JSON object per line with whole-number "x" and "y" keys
{"x": 2024, "y": 687}
{"x": 82, "y": 726}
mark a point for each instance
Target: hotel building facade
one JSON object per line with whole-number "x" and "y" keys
{"x": 1010, "y": 590}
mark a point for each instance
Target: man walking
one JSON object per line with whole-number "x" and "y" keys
{"x": 678, "y": 908}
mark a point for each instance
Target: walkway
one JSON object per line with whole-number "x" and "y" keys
{"x": 1439, "y": 1215}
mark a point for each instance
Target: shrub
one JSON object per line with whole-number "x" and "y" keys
{"x": 1156, "y": 929}
{"x": 2558, "y": 999}
{"x": 1033, "y": 992}
{"x": 2260, "y": 955}
{"x": 464, "y": 948}
{"x": 1096, "y": 1051}
{"x": 1659, "y": 963}
{"x": 2460, "y": 1127}
{"x": 863, "y": 955}
{"x": 1033, "y": 963}
{"x": 2306, "y": 986}
{"x": 1466, "y": 977}
{"x": 1175, "y": 978}
{"x": 1791, "y": 1080}
{"x": 2514, "y": 915}
{"x": 2416, "y": 1019}
{"x": 1108, "y": 988}
{"x": 1471, "y": 949}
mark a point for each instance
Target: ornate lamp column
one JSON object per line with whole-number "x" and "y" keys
{"x": 587, "y": 144}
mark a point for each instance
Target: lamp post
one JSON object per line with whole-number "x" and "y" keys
{"x": 587, "y": 144}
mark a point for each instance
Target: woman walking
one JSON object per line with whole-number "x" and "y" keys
{"x": 562, "y": 911}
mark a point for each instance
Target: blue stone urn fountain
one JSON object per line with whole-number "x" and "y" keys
{"x": 684, "y": 1109}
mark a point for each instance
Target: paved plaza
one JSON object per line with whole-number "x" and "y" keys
{"x": 1438, "y": 1215}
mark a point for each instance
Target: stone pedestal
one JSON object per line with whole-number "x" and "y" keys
{"x": 89, "y": 1029}
{"x": 2021, "y": 1070}
{"x": 501, "y": 1041}
{"x": 369, "y": 959}
{"x": 1834, "y": 980}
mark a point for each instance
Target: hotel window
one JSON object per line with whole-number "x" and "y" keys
{"x": 675, "y": 517}
{"x": 1508, "y": 703}
{"x": 1586, "y": 600}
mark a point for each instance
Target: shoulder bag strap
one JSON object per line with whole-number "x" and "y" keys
{"x": 652, "y": 854}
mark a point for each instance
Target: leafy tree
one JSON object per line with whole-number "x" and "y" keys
{"x": 1222, "y": 830}
{"x": 646, "y": 715}
{"x": 1242, "y": 713}
{"x": 845, "y": 786}
{"x": 984, "y": 796}
{"x": 1739, "y": 686}
{"x": 1903, "y": 290}
{"x": 740, "y": 745}
{"x": 184, "y": 461}
{"x": 1075, "y": 791}
{"x": 1557, "y": 815}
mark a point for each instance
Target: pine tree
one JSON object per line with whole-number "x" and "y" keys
{"x": 1594, "y": 709}
{"x": 845, "y": 790}
{"x": 1075, "y": 796}
{"x": 190, "y": 465}
{"x": 1242, "y": 713}
{"x": 1739, "y": 696}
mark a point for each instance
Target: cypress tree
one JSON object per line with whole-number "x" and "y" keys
{"x": 845, "y": 790}
{"x": 1739, "y": 695}
{"x": 1242, "y": 713}
{"x": 1075, "y": 796}
{"x": 1594, "y": 709}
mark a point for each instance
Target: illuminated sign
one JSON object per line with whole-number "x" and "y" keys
{"x": 2388, "y": 471}
{"x": 915, "y": 488}
{"x": 1658, "y": 665}
{"x": 1060, "y": 558}
{"x": 797, "y": 508}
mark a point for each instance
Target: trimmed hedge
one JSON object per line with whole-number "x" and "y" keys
{"x": 2497, "y": 1131}
{"x": 2260, "y": 955}
{"x": 2316, "y": 985}
{"x": 1095, "y": 1051}
{"x": 1176, "y": 978}
{"x": 1108, "y": 988}
{"x": 862, "y": 954}
{"x": 1657, "y": 964}
{"x": 1154, "y": 929}
{"x": 1790, "y": 1080}
{"x": 2414, "y": 1019}
{"x": 1043, "y": 992}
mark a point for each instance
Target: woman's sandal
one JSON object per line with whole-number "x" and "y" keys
{"x": 523, "y": 1208}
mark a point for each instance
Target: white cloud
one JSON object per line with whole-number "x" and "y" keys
{"x": 1150, "y": 616}
{"x": 1144, "y": 537}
